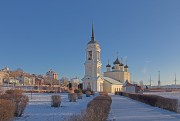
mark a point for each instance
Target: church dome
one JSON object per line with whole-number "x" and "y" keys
{"x": 93, "y": 42}
{"x": 108, "y": 65}
{"x": 125, "y": 66}
{"x": 117, "y": 61}
{"x": 113, "y": 67}
{"x": 121, "y": 64}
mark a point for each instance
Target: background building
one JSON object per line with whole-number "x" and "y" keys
{"x": 52, "y": 74}
{"x": 119, "y": 72}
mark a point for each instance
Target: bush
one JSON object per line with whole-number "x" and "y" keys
{"x": 77, "y": 91}
{"x": 117, "y": 93}
{"x": 71, "y": 90}
{"x": 55, "y": 101}
{"x": 14, "y": 91}
{"x": 19, "y": 100}
{"x": 97, "y": 110}
{"x": 154, "y": 100}
{"x": 88, "y": 93}
{"x": 72, "y": 97}
{"x": 76, "y": 117}
{"x": 7, "y": 109}
{"x": 103, "y": 93}
{"x": 79, "y": 95}
{"x": 84, "y": 91}
{"x": 92, "y": 93}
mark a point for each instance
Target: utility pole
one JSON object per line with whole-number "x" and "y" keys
{"x": 159, "y": 82}
{"x": 150, "y": 81}
{"x": 175, "y": 80}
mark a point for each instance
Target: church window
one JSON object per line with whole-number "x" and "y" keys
{"x": 89, "y": 55}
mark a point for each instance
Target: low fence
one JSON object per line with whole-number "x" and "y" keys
{"x": 154, "y": 100}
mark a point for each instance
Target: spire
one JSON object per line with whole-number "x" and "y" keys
{"x": 93, "y": 41}
{"x": 92, "y": 38}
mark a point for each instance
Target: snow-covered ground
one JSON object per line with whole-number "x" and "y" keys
{"x": 174, "y": 95}
{"x": 39, "y": 108}
{"x": 122, "y": 108}
{"x": 126, "y": 109}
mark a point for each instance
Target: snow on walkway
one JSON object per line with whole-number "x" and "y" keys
{"x": 39, "y": 108}
{"x": 125, "y": 109}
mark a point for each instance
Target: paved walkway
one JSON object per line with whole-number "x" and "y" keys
{"x": 125, "y": 109}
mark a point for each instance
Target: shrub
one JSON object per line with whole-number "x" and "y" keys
{"x": 72, "y": 97}
{"x": 88, "y": 93}
{"x": 103, "y": 93}
{"x": 76, "y": 117}
{"x": 19, "y": 100}
{"x": 84, "y": 91}
{"x": 55, "y": 101}
{"x": 76, "y": 91}
{"x": 71, "y": 90}
{"x": 14, "y": 91}
{"x": 98, "y": 109}
{"x": 92, "y": 93}
{"x": 117, "y": 93}
{"x": 7, "y": 109}
{"x": 79, "y": 95}
{"x": 154, "y": 100}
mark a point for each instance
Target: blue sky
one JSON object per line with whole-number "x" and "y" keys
{"x": 38, "y": 35}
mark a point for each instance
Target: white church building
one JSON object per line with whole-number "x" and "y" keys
{"x": 112, "y": 80}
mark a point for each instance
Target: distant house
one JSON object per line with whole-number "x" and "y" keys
{"x": 131, "y": 88}
{"x": 39, "y": 81}
{"x": 12, "y": 80}
{"x": 24, "y": 80}
{"x": 3, "y": 77}
{"x": 52, "y": 74}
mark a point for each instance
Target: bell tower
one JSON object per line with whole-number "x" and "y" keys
{"x": 92, "y": 65}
